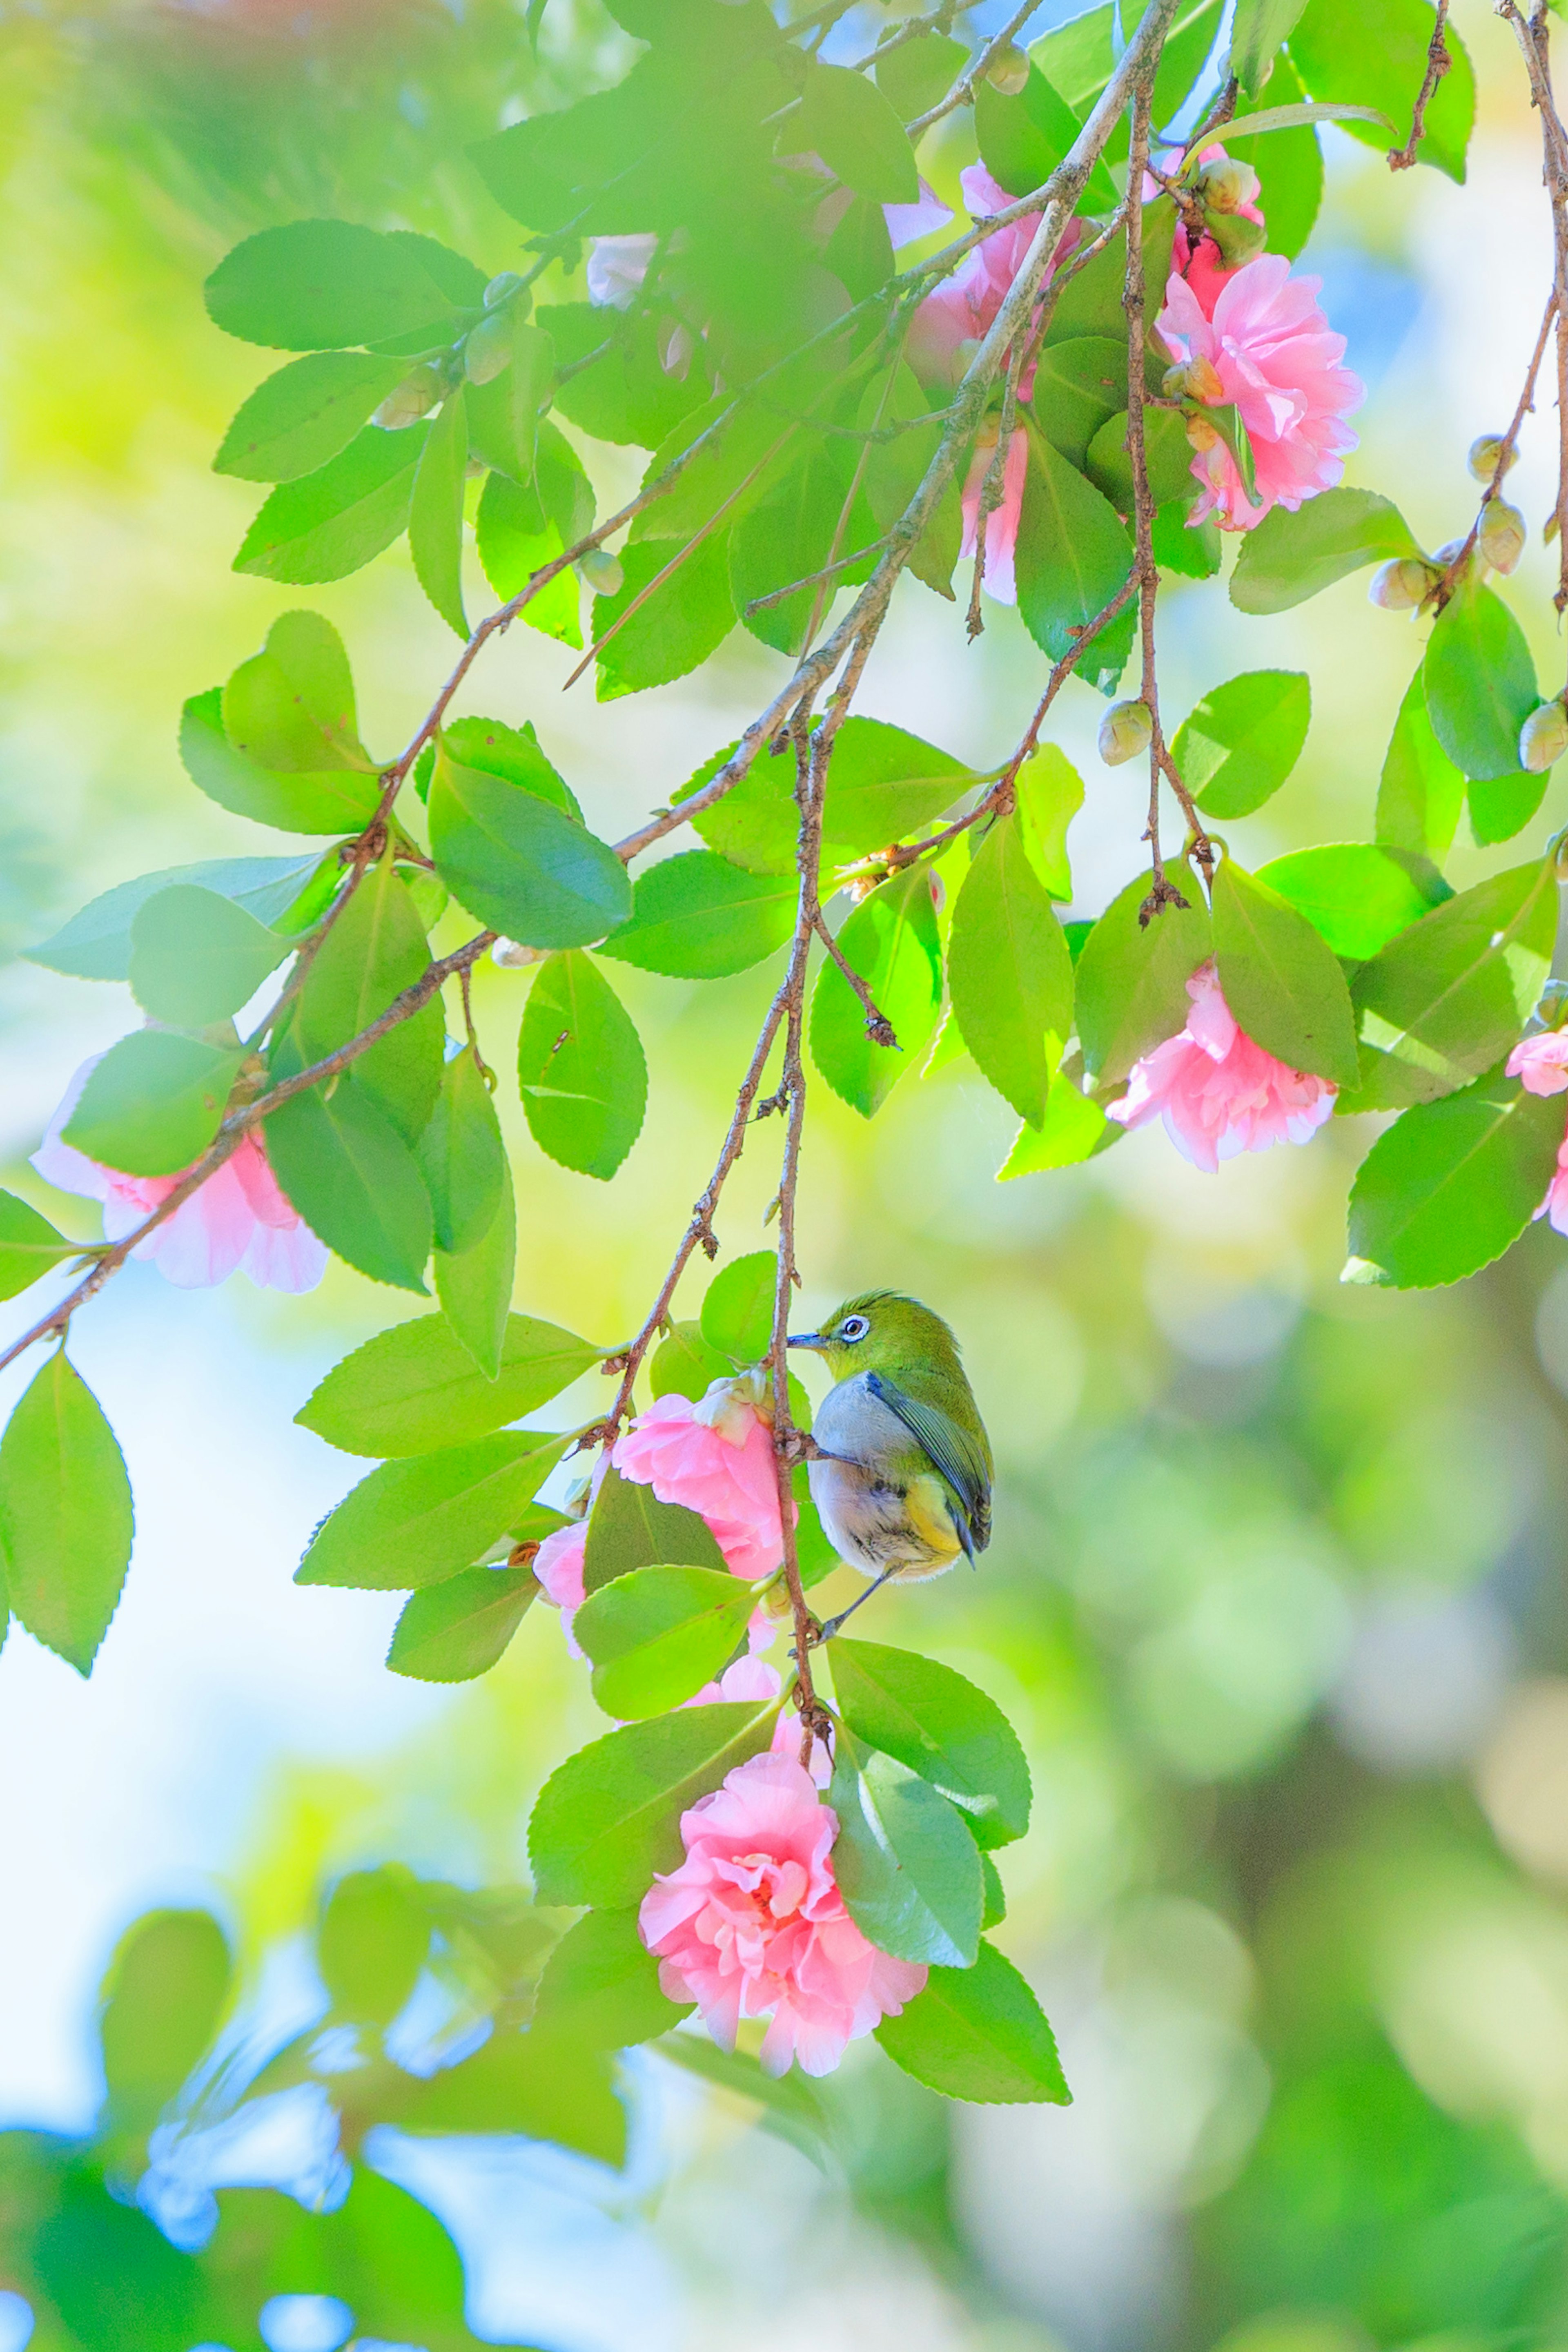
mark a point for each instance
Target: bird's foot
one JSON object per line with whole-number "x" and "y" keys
{"x": 816, "y": 1634}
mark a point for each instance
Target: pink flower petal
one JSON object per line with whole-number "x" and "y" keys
{"x": 1217, "y": 1091}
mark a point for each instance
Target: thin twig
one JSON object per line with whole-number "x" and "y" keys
{"x": 1455, "y": 569}
{"x": 813, "y": 579}
{"x": 878, "y": 1028}
{"x": 963, "y": 90}
{"x": 1402, "y": 159}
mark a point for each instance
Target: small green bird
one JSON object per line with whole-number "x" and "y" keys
{"x": 901, "y": 1479}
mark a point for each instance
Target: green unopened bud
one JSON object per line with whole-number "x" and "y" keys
{"x": 1502, "y": 535}
{"x": 601, "y": 571}
{"x": 1009, "y": 70}
{"x": 1238, "y": 239}
{"x": 1544, "y": 738}
{"x": 502, "y": 288}
{"x": 1451, "y": 553}
{"x": 1225, "y": 187}
{"x": 488, "y": 350}
{"x": 1124, "y": 731}
{"x": 415, "y": 396}
{"x": 1484, "y": 455}
{"x": 1402, "y": 583}
{"x": 1194, "y": 379}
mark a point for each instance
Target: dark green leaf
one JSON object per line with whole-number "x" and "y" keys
{"x": 738, "y": 1310}
{"x": 608, "y": 1817}
{"x": 1479, "y": 681}
{"x": 463, "y": 1157}
{"x": 1380, "y": 61}
{"x": 941, "y": 1727}
{"x": 845, "y": 120}
{"x": 1281, "y": 980}
{"x": 1073, "y": 553}
{"x": 298, "y": 418}
{"x": 371, "y": 1944}
{"x": 474, "y": 1285}
{"x": 320, "y": 285}
{"x": 66, "y": 1518}
{"x": 1421, "y": 791}
{"x": 624, "y": 390}
{"x": 895, "y": 470}
{"x": 907, "y": 1866}
{"x": 410, "y": 1524}
{"x": 329, "y": 523}
{"x": 656, "y": 1635}
{"x": 1078, "y": 385}
{"x": 518, "y": 864}
{"x": 1451, "y": 1184}
{"x": 803, "y": 527}
{"x": 1167, "y": 450}
{"x": 1356, "y": 895}
{"x": 891, "y": 940}
{"x": 1289, "y": 557}
{"x": 696, "y": 917}
{"x": 355, "y": 1181}
{"x": 1236, "y": 747}
{"x": 29, "y": 1245}
{"x": 195, "y": 957}
{"x": 153, "y": 1103}
{"x": 580, "y": 1067}
{"x": 629, "y": 1528}
{"x": 1131, "y": 978}
{"x": 1023, "y": 138}
{"x": 977, "y": 2034}
{"x": 1009, "y": 970}
{"x": 375, "y": 949}
{"x": 601, "y": 1984}
{"x": 162, "y": 1999}
{"x": 453, "y": 1631}
{"x": 435, "y": 512}
{"x": 415, "y": 1387}
{"x": 677, "y": 623}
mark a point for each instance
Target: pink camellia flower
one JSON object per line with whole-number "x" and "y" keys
{"x": 1218, "y": 1091}
{"x": 238, "y": 1218}
{"x": 1202, "y": 265}
{"x": 752, "y": 1923}
{"x": 558, "y": 1569}
{"x": 1267, "y": 347}
{"x": 1002, "y": 522}
{"x": 714, "y": 1457}
{"x": 750, "y": 1681}
{"x": 959, "y": 311}
{"x": 1555, "y": 1205}
{"x": 1540, "y": 1063}
{"x": 616, "y": 269}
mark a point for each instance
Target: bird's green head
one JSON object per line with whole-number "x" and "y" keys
{"x": 883, "y": 1331}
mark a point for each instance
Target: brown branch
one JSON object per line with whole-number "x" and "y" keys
{"x": 1534, "y": 41}
{"x": 878, "y": 1028}
{"x": 963, "y": 90}
{"x": 1402, "y": 159}
{"x": 1453, "y": 571}
{"x": 813, "y": 579}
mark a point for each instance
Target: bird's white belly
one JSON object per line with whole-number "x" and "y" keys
{"x": 865, "y": 1517}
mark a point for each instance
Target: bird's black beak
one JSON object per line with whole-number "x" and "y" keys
{"x": 805, "y": 1340}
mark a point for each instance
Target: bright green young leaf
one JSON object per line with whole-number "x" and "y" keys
{"x": 1167, "y": 451}
{"x": 1259, "y": 28}
{"x": 845, "y": 119}
{"x": 884, "y": 783}
{"x": 29, "y": 1245}
{"x": 344, "y": 1166}
{"x": 298, "y": 418}
{"x": 1452, "y": 1184}
{"x": 1075, "y": 1128}
{"x": 655, "y": 1636}
{"x": 629, "y": 1528}
{"x": 1479, "y": 681}
{"x": 415, "y": 1387}
{"x": 474, "y": 1285}
{"x": 463, "y": 1157}
{"x": 518, "y": 864}
{"x": 330, "y": 800}
{"x": 1421, "y": 792}
{"x": 737, "y": 1307}
{"x": 1236, "y": 747}
{"x": 1281, "y": 980}
{"x": 196, "y": 957}
{"x": 1072, "y": 555}
{"x": 291, "y": 707}
{"x": 977, "y": 2034}
{"x": 684, "y": 613}
{"x": 1131, "y": 978}
{"x": 503, "y": 413}
{"x": 907, "y": 1867}
{"x": 163, "y": 1996}
{"x": 696, "y": 917}
{"x": 1503, "y": 805}
{"x": 1023, "y": 137}
{"x": 66, "y": 1518}
{"x": 513, "y": 752}
{"x": 1342, "y": 52}
{"x": 513, "y": 541}
{"x": 413, "y": 1523}
{"x": 321, "y": 285}
{"x": 580, "y": 1067}
{"x": 153, "y": 1103}
{"x": 683, "y": 1364}
{"x": 601, "y": 1984}
{"x": 450, "y": 1633}
{"x": 435, "y": 512}
{"x": 96, "y": 943}
{"x": 1288, "y": 164}
{"x": 1050, "y": 793}
{"x": 375, "y": 949}
{"x": 1009, "y": 970}
{"x": 891, "y": 940}
{"x": 371, "y": 1944}
{"x": 1289, "y": 557}
{"x": 331, "y": 523}
{"x": 1357, "y": 894}
{"x": 608, "y": 1817}
{"x": 940, "y": 1726}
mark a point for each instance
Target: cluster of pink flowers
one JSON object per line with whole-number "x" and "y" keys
{"x": 752, "y": 1924}
{"x": 1218, "y": 1091}
{"x": 1541, "y": 1066}
{"x": 239, "y": 1217}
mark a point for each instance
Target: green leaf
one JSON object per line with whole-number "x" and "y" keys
{"x": 1295, "y": 116}
{"x": 375, "y": 949}
{"x": 1479, "y": 681}
{"x": 1452, "y": 1184}
{"x": 796, "y": 532}
{"x": 1260, "y": 27}
{"x": 847, "y": 121}
{"x": 995, "y": 1909}
{"x": 738, "y": 1310}
{"x": 1341, "y": 52}
{"x": 1131, "y": 979}
{"x": 410, "y": 1524}
{"x": 1356, "y": 895}
{"x": 1421, "y": 791}
{"x": 696, "y": 917}
{"x": 1009, "y": 971}
{"x": 513, "y": 752}
{"x": 936, "y": 1722}
{"x": 291, "y": 707}
{"x": 891, "y": 940}
{"x": 1289, "y": 557}
{"x": 1073, "y": 553}
{"x": 883, "y": 785}
{"x": 1289, "y": 168}
{"x": 153, "y": 1103}
{"x": 629, "y": 1528}
{"x": 1023, "y": 139}
{"x": 543, "y": 2086}
{"x": 1193, "y": 550}
{"x": 523, "y": 866}
{"x": 1236, "y": 747}
{"x": 333, "y": 521}
{"x": 474, "y": 1285}
{"x": 195, "y": 957}
{"x": 1281, "y": 980}
{"x": 66, "y": 1519}
{"x": 978, "y": 2034}
{"x": 1503, "y": 805}
{"x": 435, "y": 512}
{"x": 463, "y": 1157}
{"x": 1050, "y": 794}
{"x": 675, "y": 626}
{"x": 344, "y": 1166}
{"x": 503, "y": 413}
{"x": 96, "y": 943}
{"x": 1167, "y": 451}
{"x": 656, "y": 1635}
{"x": 371, "y": 1944}
{"x": 1078, "y": 385}
{"x": 29, "y": 1245}
{"x": 331, "y": 800}
{"x": 319, "y": 285}
{"x": 1074, "y": 1129}
{"x": 907, "y": 1866}
{"x": 452, "y": 1632}
{"x": 162, "y": 1999}
{"x": 415, "y": 1387}
{"x": 580, "y": 1067}
{"x": 608, "y": 1817}
{"x": 621, "y": 391}
{"x": 601, "y": 1984}
{"x": 683, "y": 1364}
{"x": 298, "y": 418}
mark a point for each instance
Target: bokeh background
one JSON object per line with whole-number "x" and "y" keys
{"x": 1277, "y": 1593}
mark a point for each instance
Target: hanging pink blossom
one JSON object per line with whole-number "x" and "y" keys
{"x": 957, "y": 314}
{"x": 752, "y": 1923}
{"x": 1202, "y": 265}
{"x": 558, "y": 1569}
{"x": 617, "y": 266}
{"x": 1540, "y": 1063}
{"x": 1002, "y": 522}
{"x": 714, "y": 1457}
{"x": 1268, "y": 349}
{"x": 1555, "y": 1205}
{"x": 750, "y": 1681}
{"x": 238, "y": 1217}
{"x": 1218, "y": 1092}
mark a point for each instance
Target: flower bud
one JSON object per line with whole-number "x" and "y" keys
{"x": 1484, "y": 455}
{"x": 415, "y": 396}
{"x": 1194, "y": 379}
{"x": 1238, "y": 239}
{"x": 1502, "y": 535}
{"x": 1124, "y": 731}
{"x": 1402, "y": 583}
{"x": 1225, "y": 187}
{"x": 1544, "y": 738}
{"x": 502, "y": 288}
{"x": 601, "y": 571}
{"x": 512, "y": 955}
{"x": 1009, "y": 70}
{"x": 488, "y": 349}
{"x": 1451, "y": 553}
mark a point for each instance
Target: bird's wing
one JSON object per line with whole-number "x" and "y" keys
{"x": 957, "y": 1454}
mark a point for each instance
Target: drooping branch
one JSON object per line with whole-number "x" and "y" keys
{"x": 1402, "y": 159}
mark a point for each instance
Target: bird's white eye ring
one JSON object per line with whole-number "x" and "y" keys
{"x": 853, "y": 1326}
